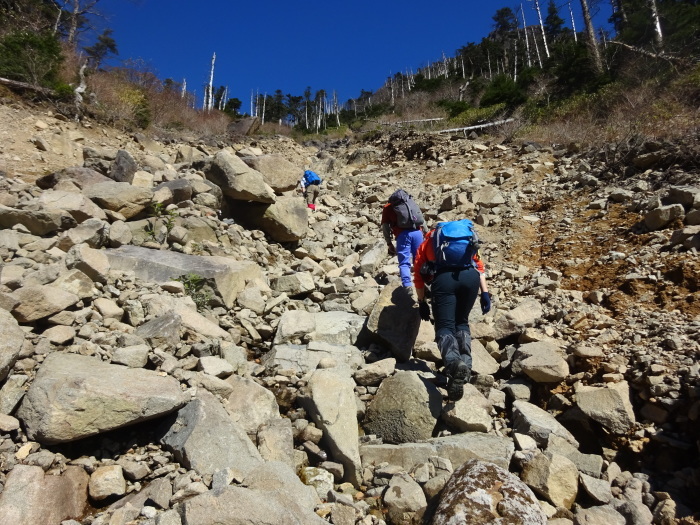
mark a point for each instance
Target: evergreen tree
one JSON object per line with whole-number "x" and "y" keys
{"x": 104, "y": 46}
{"x": 553, "y": 23}
{"x": 505, "y": 22}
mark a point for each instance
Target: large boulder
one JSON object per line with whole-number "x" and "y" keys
{"x": 405, "y": 409}
{"x": 74, "y": 396}
{"x": 37, "y": 221}
{"x": 120, "y": 197}
{"x": 609, "y": 405}
{"x": 395, "y": 321}
{"x": 284, "y": 221}
{"x": 74, "y": 175}
{"x": 80, "y": 207}
{"x": 237, "y": 180}
{"x": 280, "y": 174}
{"x": 484, "y": 493}
{"x": 39, "y": 302}
{"x": 228, "y": 275}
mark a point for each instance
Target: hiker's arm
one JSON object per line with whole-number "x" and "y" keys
{"x": 386, "y": 231}
{"x": 482, "y": 283}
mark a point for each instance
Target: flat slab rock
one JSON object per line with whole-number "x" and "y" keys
{"x": 75, "y": 396}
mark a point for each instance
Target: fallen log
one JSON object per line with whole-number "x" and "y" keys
{"x": 23, "y": 85}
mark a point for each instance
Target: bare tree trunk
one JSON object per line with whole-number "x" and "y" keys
{"x": 537, "y": 48}
{"x": 573, "y": 23}
{"x": 544, "y": 35}
{"x": 184, "y": 88}
{"x": 658, "y": 36}
{"x": 58, "y": 18}
{"x": 527, "y": 39}
{"x": 263, "y": 108}
{"x": 591, "y": 39}
{"x": 515, "y": 61}
{"x": 79, "y": 93}
{"x": 210, "y": 100}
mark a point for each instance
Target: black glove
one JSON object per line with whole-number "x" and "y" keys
{"x": 485, "y": 302}
{"x": 391, "y": 249}
{"x": 424, "y": 310}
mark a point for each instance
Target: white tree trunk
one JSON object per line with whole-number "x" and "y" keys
{"x": 658, "y": 36}
{"x": 183, "y": 93}
{"x": 573, "y": 22}
{"x": 210, "y": 104}
{"x": 527, "y": 39}
{"x": 537, "y": 48}
{"x": 544, "y": 35}
{"x": 591, "y": 39}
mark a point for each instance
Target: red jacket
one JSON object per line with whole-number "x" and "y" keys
{"x": 426, "y": 252}
{"x": 389, "y": 217}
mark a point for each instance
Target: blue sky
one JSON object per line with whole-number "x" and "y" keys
{"x": 265, "y": 46}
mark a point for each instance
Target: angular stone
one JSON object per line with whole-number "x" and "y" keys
{"x": 405, "y": 409}
{"x": 287, "y": 220}
{"x": 481, "y": 492}
{"x": 280, "y": 174}
{"x": 120, "y": 197}
{"x": 38, "y": 302}
{"x": 395, "y": 321}
{"x": 251, "y": 405}
{"x": 469, "y": 414}
{"x": 38, "y": 222}
{"x": 331, "y": 405}
{"x": 74, "y": 396}
{"x": 237, "y": 180}
{"x": 205, "y": 439}
{"x": 532, "y": 421}
{"x": 10, "y": 343}
{"x": 610, "y": 405}
{"x": 229, "y": 275}
{"x": 30, "y": 497}
{"x": 553, "y": 477}
{"x": 106, "y": 482}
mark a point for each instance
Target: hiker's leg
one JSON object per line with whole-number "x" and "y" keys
{"x": 416, "y": 240}
{"x": 314, "y": 193}
{"x": 308, "y": 195}
{"x": 467, "y": 291}
{"x": 443, "y": 292}
{"x": 403, "y": 253}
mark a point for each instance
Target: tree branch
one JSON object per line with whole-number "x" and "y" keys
{"x": 662, "y": 56}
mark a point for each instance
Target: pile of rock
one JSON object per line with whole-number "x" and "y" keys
{"x": 186, "y": 344}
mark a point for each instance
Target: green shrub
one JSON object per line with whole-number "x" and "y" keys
{"x": 31, "y": 58}
{"x": 503, "y": 89}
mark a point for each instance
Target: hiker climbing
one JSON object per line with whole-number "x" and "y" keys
{"x": 310, "y": 184}
{"x": 450, "y": 262}
{"x": 402, "y": 218}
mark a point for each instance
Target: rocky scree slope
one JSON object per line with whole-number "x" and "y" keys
{"x": 225, "y": 349}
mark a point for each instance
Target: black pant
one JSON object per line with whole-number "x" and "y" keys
{"x": 454, "y": 294}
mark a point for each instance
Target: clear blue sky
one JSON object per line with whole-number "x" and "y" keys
{"x": 269, "y": 45}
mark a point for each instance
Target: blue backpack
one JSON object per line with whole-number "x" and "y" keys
{"x": 456, "y": 243}
{"x": 311, "y": 177}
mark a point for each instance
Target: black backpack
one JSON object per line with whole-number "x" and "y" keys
{"x": 408, "y": 214}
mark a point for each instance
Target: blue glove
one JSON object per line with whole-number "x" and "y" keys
{"x": 424, "y": 310}
{"x": 485, "y": 302}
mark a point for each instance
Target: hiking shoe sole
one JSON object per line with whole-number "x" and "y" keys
{"x": 455, "y": 384}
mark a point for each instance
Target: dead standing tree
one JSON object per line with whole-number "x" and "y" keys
{"x": 591, "y": 41}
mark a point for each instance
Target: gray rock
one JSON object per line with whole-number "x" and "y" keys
{"x": 38, "y": 222}
{"x": 280, "y": 174}
{"x": 228, "y": 275}
{"x": 395, "y": 321}
{"x": 205, "y": 439}
{"x": 405, "y": 409}
{"x": 123, "y": 168}
{"x": 602, "y": 515}
{"x": 481, "y": 492}
{"x": 404, "y": 499}
{"x": 284, "y": 221}
{"x": 331, "y": 405}
{"x": 661, "y": 217}
{"x": 532, "y": 421}
{"x": 74, "y": 396}
{"x": 39, "y": 302}
{"x": 30, "y": 497}
{"x": 553, "y": 477}
{"x": 237, "y": 180}
{"x": 120, "y": 197}
{"x": 469, "y": 414}
{"x": 10, "y": 343}
{"x": 251, "y": 405}
{"x": 610, "y": 405}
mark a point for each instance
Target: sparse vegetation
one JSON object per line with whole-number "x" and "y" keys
{"x": 195, "y": 287}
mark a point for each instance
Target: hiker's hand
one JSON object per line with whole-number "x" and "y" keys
{"x": 391, "y": 249}
{"x": 424, "y": 311}
{"x": 485, "y": 302}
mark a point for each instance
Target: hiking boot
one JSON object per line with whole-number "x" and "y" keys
{"x": 456, "y": 378}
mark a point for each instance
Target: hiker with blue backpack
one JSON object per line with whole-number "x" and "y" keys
{"x": 403, "y": 219}
{"x": 310, "y": 184}
{"x": 449, "y": 260}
